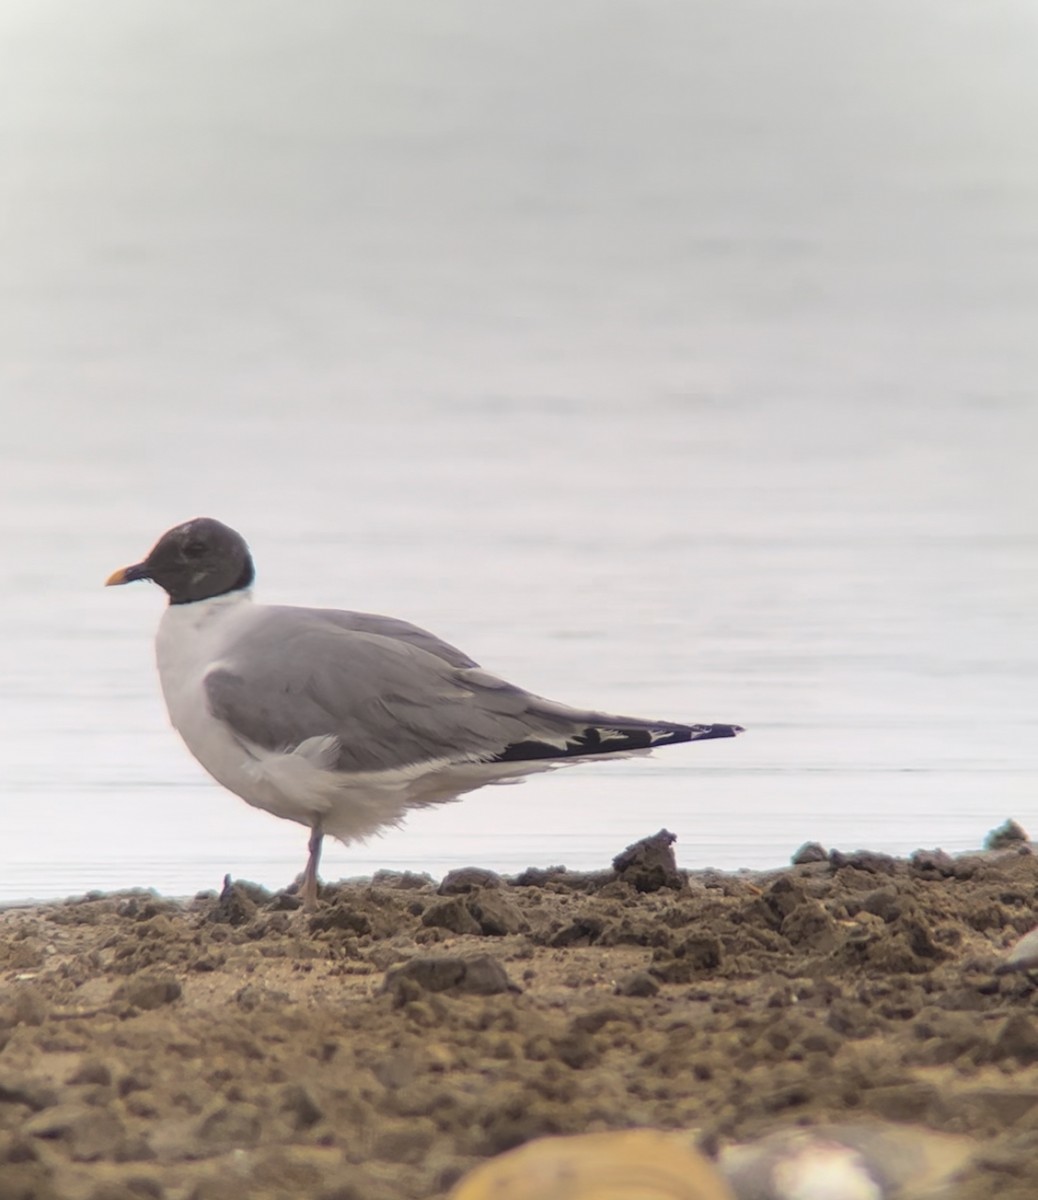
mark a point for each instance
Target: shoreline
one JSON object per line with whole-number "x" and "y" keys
{"x": 406, "y": 1031}
{"x": 1005, "y": 836}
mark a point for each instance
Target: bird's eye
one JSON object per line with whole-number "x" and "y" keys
{"x": 194, "y": 549}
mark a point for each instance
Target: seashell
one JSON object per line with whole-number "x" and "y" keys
{"x": 637, "y": 1164}
{"x": 1022, "y": 955}
{"x": 846, "y": 1162}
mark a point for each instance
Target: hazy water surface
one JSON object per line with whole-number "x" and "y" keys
{"x": 676, "y": 360}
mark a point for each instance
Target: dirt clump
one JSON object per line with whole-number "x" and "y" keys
{"x": 406, "y": 1031}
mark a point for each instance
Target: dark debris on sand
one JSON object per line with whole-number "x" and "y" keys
{"x": 406, "y": 1030}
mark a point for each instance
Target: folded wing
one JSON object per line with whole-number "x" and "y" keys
{"x": 401, "y": 697}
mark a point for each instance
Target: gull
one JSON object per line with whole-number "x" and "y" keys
{"x": 343, "y": 721}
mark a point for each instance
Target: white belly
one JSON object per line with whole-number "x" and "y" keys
{"x": 190, "y": 641}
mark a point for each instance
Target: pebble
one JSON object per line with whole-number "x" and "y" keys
{"x": 649, "y": 865}
{"x": 1007, "y": 836}
{"x": 810, "y": 852}
{"x": 479, "y": 975}
{"x": 148, "y": 992}
{"x": 468, "y": 879}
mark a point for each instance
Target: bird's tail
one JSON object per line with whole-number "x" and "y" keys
{"x": 603, "y": 734}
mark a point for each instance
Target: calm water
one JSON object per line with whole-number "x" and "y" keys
{"x": 674, "y": 359}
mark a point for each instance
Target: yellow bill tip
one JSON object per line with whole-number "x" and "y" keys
{"x": 116, "y": 577}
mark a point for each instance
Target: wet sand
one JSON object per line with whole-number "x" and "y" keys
{"x": 379, "y": 1048}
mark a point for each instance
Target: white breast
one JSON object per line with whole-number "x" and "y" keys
{"x": 192, "y": 639}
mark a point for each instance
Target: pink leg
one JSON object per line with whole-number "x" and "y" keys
{"x": 310, "y": 874}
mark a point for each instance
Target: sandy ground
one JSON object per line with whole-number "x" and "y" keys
{"x": 378, "y": 1049}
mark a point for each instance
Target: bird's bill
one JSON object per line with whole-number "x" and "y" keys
{"x": 127, "y": 575}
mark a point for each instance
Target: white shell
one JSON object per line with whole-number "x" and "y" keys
{"x": 639, "y": 1164}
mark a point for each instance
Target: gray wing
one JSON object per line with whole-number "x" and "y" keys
{"x": 390, "y": 703}
{"x": 390, "y": 627}
{"x": 296, "y": 675}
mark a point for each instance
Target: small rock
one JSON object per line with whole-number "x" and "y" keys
{"x": 15, "y": 1148}
{"x": 576, "y": 1050}
{"x": 865, "y": 860}
{"x": 297, "y": 1101}
{"x": 486, "y": 911}
{"x": 208, "y": 961}
{"x": 1017, "y": 1039}
{"x": 468, "y": 879}
{"x": 229, "y": 1127}
{"x": 582, "y": 931}
{"x": 405, "y": 1142}
{"x": 139, "y": 1080}
{"x": 149, "y": 991}
{"x": 810, "y": 852}
{"x": 27, "y": 955}
{"x": 277, "y": 923}
{"x": 255, "y": 995}
{"x": 480, "y": 975}
{"x": 920, "y": 938}
{"x": 382, "y": 957}
{"x": 135, "y": 903}
{"x": 1006, "y": 837}
{"x": 92, "y": 1070}
{"x": 541, "y": 876}
{"x": 782, "y": 898}
{"x": 403, "y": 881}
{"x": 649, "y": 865}
{"x": 33, "y": 1093}
{"x": 640, "y": 984}
{"x": 28, "y": 1005}
{"x": 933, "y": 864}
{"x": 850, "y": 1018}
{"x": 696, "y": 956}
{"x": 884, "y": 903}
{"x": 343, "y": 913}
{"x": 494, "y": 913}
{"x": 91, "y": 1133}
{"x": 238, "y": 903}
{"x": 452, "y": 915}
{"x": 810, "y": 925}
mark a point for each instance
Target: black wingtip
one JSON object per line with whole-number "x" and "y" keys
{"x": 702, "y": 733}
{"x": 620, "y": 737}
